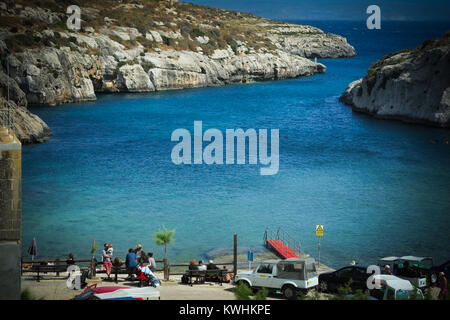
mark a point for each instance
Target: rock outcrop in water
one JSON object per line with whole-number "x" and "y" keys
{"x": 28, "y": 127}
{"x": 410, "y": 85}
{"x": 149, "y": 46}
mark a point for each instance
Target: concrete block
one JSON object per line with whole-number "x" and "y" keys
{"x": 10, "y": 270}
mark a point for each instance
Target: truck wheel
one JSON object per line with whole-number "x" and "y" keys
{"x": 323, "y": 286}
{"x": 243, "y": 283}
{"x": 289, "y": 292}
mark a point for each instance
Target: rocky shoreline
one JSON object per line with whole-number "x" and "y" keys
{"x": 412, "y": 86}
{"x": 51, "y": 65}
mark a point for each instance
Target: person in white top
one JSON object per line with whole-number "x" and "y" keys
{"x": 201, "y": 266}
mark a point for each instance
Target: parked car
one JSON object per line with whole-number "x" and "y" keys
{"x": 418, "y": 270}
{"x": 331, "y": 281}
{"x": 395, "y": 288}
{"x": 290, "y": 276}
{"x": 117, "y": 293}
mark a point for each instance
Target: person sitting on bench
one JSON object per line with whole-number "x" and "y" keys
{"x": 193, "y": 265}
{"x": 212, "y": 266}
{"x": 201, "y": 266}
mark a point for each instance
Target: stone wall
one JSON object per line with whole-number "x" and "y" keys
{"x": 10, "y": 214}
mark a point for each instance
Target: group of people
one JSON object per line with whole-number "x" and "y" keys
{"x": 135, "y": 260}
{"x": 201, "y": 266}
{"x": 210, "y": 266}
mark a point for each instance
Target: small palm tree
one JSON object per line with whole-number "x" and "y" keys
{"x": 94, "y": 248}
{"x": 164, "y": 237}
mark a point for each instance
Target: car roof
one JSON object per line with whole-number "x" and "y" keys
{"x": 354, "y": 267}
{"x": 309, "y": 259}
{"x": 414, "y": 258}
{"x": 393, "y": 258}
{"x": 271, "y": 261}
{"x": 289, "y": 260}
{"x": 394, "y": 282}
{"x": 408, "y": 258}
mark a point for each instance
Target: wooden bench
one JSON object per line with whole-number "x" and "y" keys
{"x": 116, "y": 270}
{"x": 54, "y": 268}
{"x": 205, "y": 275}
{"x": 47, "y": 268}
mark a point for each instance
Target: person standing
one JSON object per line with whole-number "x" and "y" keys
{"x": 70, "y": 260}
{"x": 130, "y": 263}
{"x": 107, "y": 260}
{"x": 138, "y": 252}
{"x": 110, "y": 250}
{"x": 443, "y": 285}
{"x": 152, "y": 262}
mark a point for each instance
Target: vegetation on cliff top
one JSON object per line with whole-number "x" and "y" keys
{"x": 221, "y": 27}
{"x": 397, "y": 58}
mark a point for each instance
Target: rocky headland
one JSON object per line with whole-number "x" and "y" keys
{"x": 410, "y": 85}
{"x": 143, "y": 46}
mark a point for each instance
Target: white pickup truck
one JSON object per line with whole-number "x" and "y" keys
{"x": 289, "y": 276}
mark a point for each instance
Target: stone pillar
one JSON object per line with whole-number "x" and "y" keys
{"x": 10, "y": 214}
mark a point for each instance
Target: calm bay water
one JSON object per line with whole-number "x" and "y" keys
{"x": 379, "y": 187}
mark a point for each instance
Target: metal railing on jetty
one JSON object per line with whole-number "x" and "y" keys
{"x": 286, "y": 239}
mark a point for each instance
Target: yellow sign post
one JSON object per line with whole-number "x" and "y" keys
{"x": 319, "y": 234}
{"x": 319, "y": 230}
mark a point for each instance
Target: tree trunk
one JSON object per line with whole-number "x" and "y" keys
{"x": 165, "y": 251}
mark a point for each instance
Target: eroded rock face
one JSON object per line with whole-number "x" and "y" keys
{"x": 9, "y": 88}
{"x": 132, "y": 78}
{"x": 53, "y": 76}
{"x": 177, "y": 70}
{"x": 412, "y": 86}
{"x": 309, "y": 42}
{"x": 28, "y": 127}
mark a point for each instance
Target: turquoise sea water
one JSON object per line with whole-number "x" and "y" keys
{"x": 379, "y": 187}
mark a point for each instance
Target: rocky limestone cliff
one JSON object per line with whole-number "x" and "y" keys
{"x": 410, "y": 85}
{"x": 149, "y": 45}
{"x": 29, "y": 128}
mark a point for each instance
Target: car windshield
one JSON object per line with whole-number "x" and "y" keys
{"x": 423, "y": 264}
